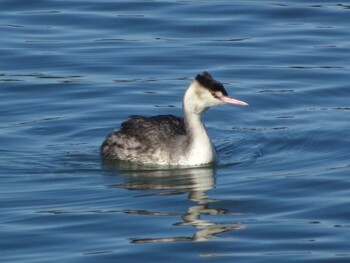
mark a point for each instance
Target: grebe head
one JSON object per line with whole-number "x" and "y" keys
{"x": 205, "y": 92}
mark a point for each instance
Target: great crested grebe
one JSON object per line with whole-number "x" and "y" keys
{"x": 168, "y": 139}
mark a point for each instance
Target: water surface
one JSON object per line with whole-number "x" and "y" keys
{"x": 71, "y": 71}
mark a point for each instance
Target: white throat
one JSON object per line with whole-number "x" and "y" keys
{"x": 200, "y": 149}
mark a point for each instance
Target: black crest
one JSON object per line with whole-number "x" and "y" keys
{"x": 207, "y": 81}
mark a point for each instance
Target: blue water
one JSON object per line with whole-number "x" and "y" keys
{"x": 71, "y": 71}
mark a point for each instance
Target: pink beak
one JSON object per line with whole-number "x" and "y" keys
{"x": 230, "y": 100}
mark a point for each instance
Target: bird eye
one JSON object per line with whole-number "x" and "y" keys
{"x": 213, "y": 94}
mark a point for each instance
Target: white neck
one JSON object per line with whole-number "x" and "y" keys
{"x": 200, "y": 149}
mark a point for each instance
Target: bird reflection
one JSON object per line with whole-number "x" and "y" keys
{"x": 196, "y": 182}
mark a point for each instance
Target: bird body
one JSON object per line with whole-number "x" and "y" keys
{"x": 168, "y": 139}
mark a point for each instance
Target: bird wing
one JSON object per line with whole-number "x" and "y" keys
{"x": 155, "y": 128}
